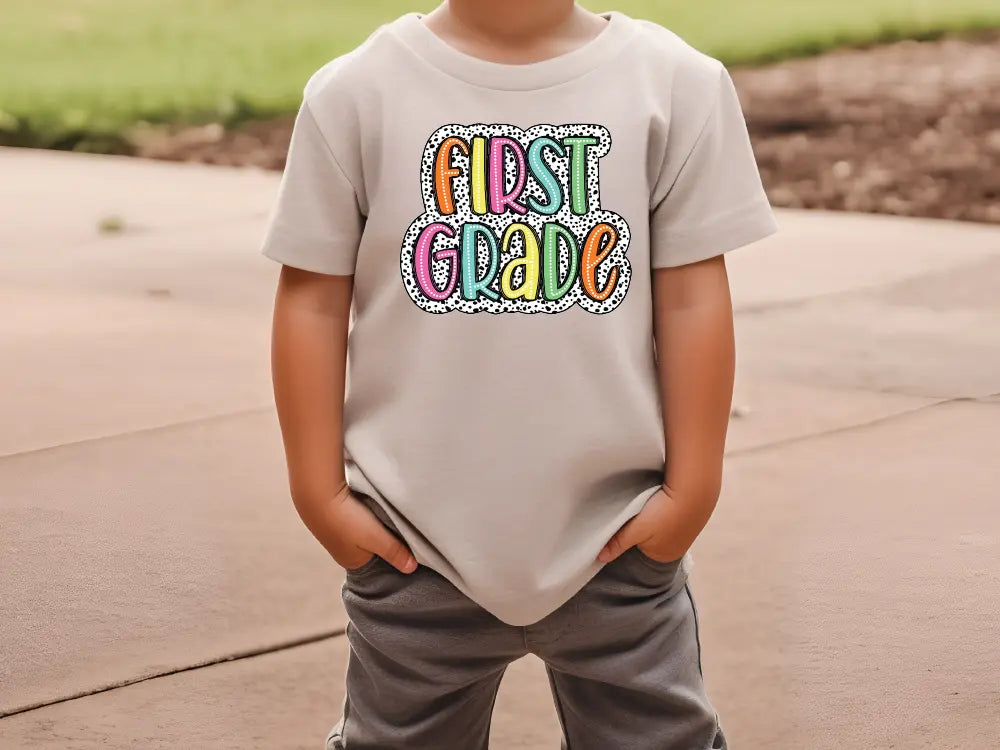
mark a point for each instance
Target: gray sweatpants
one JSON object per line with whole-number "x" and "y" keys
{"x": 622, "y": 656}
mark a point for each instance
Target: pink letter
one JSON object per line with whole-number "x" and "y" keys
{"x": 498, "y": 198}
{"x": 422, "y": 261}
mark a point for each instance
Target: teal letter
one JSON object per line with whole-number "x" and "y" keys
{"x": 472, "y": 286}
{"x": 541, "y": 172}
{"x": 578, "y": 171}
{"x": 550, "y": 267}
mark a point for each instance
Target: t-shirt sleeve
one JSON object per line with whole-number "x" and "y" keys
{"x": 710, "y": 201}
{"x": 316, "y": 222}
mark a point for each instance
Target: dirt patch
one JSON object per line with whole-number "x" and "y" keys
{"x": 911, "y": 128}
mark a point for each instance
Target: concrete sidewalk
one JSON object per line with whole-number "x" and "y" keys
{"x": 158, "y": 591}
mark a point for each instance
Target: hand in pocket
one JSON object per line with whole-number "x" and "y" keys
{"x": 352, "y": 534}
{"x": 663, "y": 530}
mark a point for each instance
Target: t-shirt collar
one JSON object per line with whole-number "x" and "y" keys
{"x": 411, "y": 30}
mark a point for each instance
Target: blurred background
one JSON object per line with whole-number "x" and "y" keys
{"x": 216, "y": 81}
{"x": 156, "y": 588}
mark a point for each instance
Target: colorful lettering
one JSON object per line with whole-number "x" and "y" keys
{"x": 545, "y": 176}
{"x": 524, "y": 212}
{"x": 553, "y": 233}
{"x": 472, "y": 285}
{"x": 578, "y": 171}
{"x": 478, "y": 181}
{"x": 599, "y": 243}
{"x": 530, "y": 262}
{"x": 444, "y": 173}
{"x": 500, "y": 199}
{"x": 422, "y": 261}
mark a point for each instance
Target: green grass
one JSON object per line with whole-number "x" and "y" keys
{"x": 78, "y": 73}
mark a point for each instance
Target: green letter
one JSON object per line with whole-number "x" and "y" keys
{"x": 578, "y": 170}
{"x": 550, "y": 268}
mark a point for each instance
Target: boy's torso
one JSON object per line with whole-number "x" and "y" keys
{"x": 502, "y": 403}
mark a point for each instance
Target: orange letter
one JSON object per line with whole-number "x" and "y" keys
{"x": 593, "y": 255}
{"x": 444, "y": 172}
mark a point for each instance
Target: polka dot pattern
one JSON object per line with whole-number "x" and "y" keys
{"x": 614, "y": 268}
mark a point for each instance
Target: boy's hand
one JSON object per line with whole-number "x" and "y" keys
{"x": 695, "y": 357}
{"x": 308, "y": 361}
{"x": 664, "y": 529}
{"x": 352, "y": 534}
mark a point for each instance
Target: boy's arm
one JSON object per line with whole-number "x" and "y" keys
{"x": 693, "y": 330}
{"x": 308, "y": 363}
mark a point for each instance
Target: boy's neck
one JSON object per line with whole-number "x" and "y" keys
{"x": 515, "y": 31}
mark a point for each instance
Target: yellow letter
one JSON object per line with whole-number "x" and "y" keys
{"x": 529, "y": 289}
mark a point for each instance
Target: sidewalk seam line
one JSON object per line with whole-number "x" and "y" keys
{"x": 141, "y": 431}
{"x": 261, "y": 409}
{"x": 851, "y": 427}
{"x": 237, "y": 656}
{"x": 327, "y": 635}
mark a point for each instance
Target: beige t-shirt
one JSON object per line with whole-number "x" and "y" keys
{"x": 501, "y": 223}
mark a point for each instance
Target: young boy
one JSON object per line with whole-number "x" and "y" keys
{"x": 522, "y": 214}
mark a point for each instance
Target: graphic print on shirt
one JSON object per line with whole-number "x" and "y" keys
{"x": 513, "y": 222}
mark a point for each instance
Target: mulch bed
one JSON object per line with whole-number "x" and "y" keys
{"x": 911, "y": 128}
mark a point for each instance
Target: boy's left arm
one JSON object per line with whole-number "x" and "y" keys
{"x": 695, "y": 345}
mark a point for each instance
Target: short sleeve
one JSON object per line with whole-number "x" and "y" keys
{"x": 316, "y": 223}
{"x": 712, "y": 199}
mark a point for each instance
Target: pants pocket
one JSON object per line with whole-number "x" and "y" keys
{"x": 660, "y": 564}
{"x": 370, "y": 565}
{"x": 637, "y": 568}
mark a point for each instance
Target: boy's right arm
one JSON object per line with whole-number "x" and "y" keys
{"x": 308, "y": 366}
